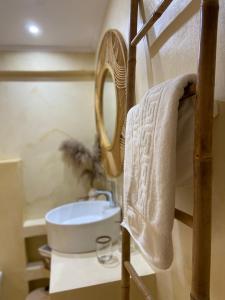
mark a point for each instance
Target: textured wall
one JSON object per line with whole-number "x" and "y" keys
{"x": 174, "y": 50}
{"x": 12, "y": 252}
{"x": 36, "y": 117}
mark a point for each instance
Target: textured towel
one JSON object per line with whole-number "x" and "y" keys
{"x": 159, "y": 138}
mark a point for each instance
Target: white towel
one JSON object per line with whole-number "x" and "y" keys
{"x": 159, "y": 137}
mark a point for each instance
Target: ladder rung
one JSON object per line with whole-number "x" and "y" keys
{"x": 184, "y": 217}
{"x": 137, "y": 280}
{"x": 189, "y": 91}
{"x": 151, "y": 21}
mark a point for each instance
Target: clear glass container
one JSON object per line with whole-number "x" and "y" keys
{"x": 104, "y": 249}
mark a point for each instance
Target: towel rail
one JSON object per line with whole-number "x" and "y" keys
{"x": 201, "y": 220}
{"x": 189, "y": 90}
{"x": 151, "y": 21}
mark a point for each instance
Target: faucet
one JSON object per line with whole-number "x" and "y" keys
{"x": 107, "y": 194}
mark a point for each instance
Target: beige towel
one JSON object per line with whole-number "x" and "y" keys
{"x": 152, "y": 151}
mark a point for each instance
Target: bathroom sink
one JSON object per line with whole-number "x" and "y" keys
{"x": 74, "y": 227}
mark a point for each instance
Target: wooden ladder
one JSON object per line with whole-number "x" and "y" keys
{"x": 200, "y": 222}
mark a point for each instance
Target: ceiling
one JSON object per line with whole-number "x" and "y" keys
{"x": 66, "y": 25}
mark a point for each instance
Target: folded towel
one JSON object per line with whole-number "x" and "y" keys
{"x": 159, "y": 131}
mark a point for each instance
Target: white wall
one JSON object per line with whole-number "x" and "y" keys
{"x": 36, "y": 117}
{"x": 172, "y": 56}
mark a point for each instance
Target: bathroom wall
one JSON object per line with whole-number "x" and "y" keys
{"x": 37, "y": 116}
{"x": 172, "y": 56}
{"x": 12, "y": 252}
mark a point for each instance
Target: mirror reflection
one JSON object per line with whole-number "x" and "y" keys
{"x": 109, "y": 106}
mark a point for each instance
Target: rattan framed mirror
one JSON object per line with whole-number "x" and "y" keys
{"x": 110, "y": 100}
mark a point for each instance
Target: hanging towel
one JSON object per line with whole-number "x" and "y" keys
{"x": 156, "y": 130}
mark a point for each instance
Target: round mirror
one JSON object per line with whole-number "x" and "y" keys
{"x": 109, "y": 106}
{"x": 110, "y": 100}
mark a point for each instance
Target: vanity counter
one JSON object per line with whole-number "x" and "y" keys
{"x": 75, "y": 271}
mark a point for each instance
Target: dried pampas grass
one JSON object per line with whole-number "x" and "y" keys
{"x": 76, "y": 154}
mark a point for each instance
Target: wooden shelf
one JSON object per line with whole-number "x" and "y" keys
{"x": 36, "y": 270}
{"x": 34, "y": 227}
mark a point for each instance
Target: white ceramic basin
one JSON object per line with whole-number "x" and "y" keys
{"x": 74, "y": 227}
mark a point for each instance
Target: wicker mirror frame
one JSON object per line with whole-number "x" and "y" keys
{"x": 112, "y": 57}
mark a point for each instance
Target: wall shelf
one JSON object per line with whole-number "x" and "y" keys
{"x": 34, "y": 227}
{"x": 36, "y": 270}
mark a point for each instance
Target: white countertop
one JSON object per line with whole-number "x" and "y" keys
{"x": 73, "y": 271}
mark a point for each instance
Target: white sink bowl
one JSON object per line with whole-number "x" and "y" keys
{"x": 74, "y": 227}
